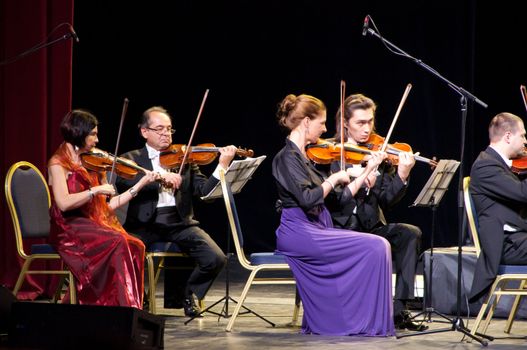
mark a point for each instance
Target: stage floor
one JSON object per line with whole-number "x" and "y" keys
{"x": 276, "y": 304}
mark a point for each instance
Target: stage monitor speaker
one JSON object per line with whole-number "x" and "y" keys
{"x": 6, "y": 300}
{"x": 66, "y": 326}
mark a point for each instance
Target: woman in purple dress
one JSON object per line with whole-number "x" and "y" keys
{"x": 343, "y": 276}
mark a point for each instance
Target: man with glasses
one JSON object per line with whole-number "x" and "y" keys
{"x": 165, "y": 212}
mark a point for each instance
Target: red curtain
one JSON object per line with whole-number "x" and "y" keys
{"x": 35, "y": 93}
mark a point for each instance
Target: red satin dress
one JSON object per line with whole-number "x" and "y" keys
{"x": 107, "y": 262}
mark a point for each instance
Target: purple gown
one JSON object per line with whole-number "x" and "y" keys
{"x": 343, "y": 276}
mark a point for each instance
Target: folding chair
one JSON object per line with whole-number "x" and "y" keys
{"x": 28, "y": 199}
{"x": 257, "y": 262}
{"x": 506, "y": 274}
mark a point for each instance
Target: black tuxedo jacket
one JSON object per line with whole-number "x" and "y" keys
{"x": 500, "y": 198}
{"x": 142, "y": 208}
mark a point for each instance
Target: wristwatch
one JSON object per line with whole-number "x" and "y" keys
{"x": 133, "y": 192}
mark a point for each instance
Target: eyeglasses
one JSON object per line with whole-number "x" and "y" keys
{"x": 161, "y": 130}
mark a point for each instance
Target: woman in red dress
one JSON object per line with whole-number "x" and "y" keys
{"x": 107, "y": 262}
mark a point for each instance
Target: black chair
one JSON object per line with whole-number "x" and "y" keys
{"x": 28, "y": 199}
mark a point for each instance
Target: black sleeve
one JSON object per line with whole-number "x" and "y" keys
{"x": 297, "y": 181}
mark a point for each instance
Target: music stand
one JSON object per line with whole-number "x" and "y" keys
{"x": 430, "y": 196}
{"x": 239, "y": 172}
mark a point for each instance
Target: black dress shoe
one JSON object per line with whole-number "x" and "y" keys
{"x": 190, "y": 308}
{"x": 404, "y": 321}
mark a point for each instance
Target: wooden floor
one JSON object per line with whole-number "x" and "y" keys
{"x": 276, "y": 304}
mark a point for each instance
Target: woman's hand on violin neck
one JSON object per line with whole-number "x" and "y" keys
{"x": 406, "y": 163}
{"x": 149, "y": 177}
{"x": 106, "y": 189}
{"x": 227, "y": 155}
{"x": 172, "y": 178}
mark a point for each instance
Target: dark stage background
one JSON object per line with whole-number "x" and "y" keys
{"x": 250, "y": 54}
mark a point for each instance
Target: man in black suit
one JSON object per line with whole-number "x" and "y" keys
{"x": 162, "y": 213}
{"x": 383, "y": 189}
{"x": 500, "y": 200}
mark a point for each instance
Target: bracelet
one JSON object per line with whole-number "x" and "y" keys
{"x": 133, "y": 192}
{"x": 330, "y": 183}
{"x": 90, "y": 193}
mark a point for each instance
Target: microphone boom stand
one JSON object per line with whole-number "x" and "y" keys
{"x": 37, "y": 47}
{"x": 457, "y": 323}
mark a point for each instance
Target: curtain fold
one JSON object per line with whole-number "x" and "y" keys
{"x": 35, "y": 93}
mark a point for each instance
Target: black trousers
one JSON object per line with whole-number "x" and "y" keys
{"x": 208, "y": 257}
{"x": 405, "y": 241}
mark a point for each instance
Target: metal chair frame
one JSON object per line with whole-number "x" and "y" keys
{"x": 506, "y": 274}
{"x": 154, "y": 271}
{"x": 257, "y": 262}
{"x": 45, "y": 251}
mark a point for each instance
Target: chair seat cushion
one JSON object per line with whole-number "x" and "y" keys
{"x": 267, "y": 258}
{"x": 164, "y": 247}
{"x": 43, "y": 249}
{"x": 503, "y": 269}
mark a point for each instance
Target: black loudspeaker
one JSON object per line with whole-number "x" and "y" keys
{"x": 66, "y": 326}
{"x": 6, "y": 301}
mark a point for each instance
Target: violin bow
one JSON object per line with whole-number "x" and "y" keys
{"x": 185, "y": 155}
{"x": 524, "y": 95}
{"x": 123, "y": 114}
{"x": 342, "y": 98}
{"x": 394, "y": 121}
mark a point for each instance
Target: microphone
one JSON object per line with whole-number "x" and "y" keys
{"x": 365, "y": 26}
{"x": 73, "y": 34}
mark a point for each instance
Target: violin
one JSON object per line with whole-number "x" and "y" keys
{"x": 100, "y": 161}
{"x": 519, "y": 164}
{"x": 376, "y": 141}
{"x": 201, "y": 154}
{"x": 325, "y": 152}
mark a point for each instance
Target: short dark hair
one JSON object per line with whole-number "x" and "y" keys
{"x": 76, "y": 125}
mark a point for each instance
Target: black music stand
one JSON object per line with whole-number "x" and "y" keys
{"x": 430, "y": 196}
{"x": 239, "y": 172}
